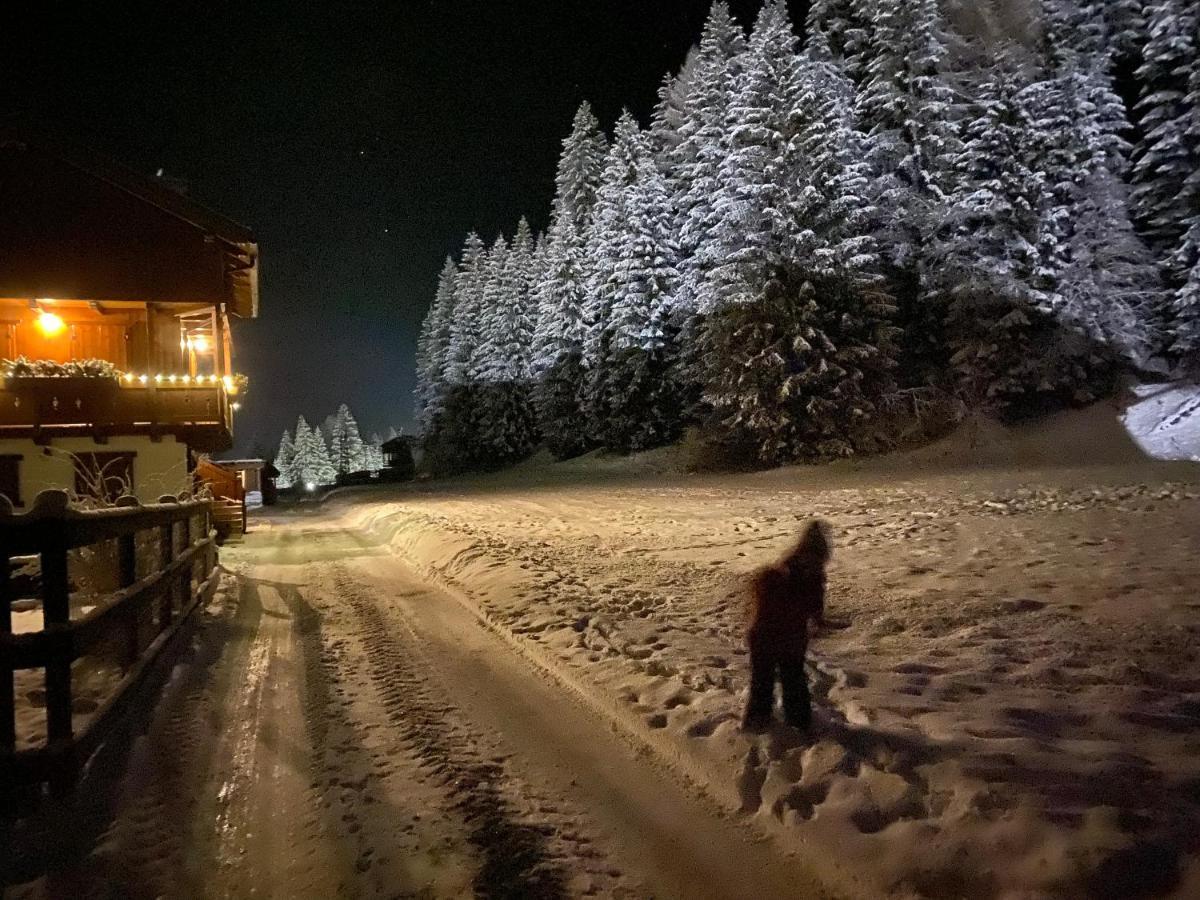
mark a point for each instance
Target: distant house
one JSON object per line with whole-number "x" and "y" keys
{"x": 398, "y": 458}
{"x": 249, "y": 473}
{"x": 116, "y": 295}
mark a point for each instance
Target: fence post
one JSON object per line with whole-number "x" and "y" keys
{"x": 8, "y": 721}
{"x": 56, "y": 615}
{"x": 166, "y": 604}
{"x": 127, "y": 573}
{"x": 185, "y": 573}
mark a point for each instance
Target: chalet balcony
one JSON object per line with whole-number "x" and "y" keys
{"x": 198, "y": 412}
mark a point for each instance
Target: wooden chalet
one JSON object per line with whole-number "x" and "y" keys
{"x": 100, "y": 264}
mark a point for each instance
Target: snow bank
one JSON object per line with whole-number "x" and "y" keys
{"x": 1165, "y": 420}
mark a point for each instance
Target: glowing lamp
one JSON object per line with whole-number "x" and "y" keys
{"x": 310, "y": 486}
{"x": 236, "y": 407}
{"x": 143, "y": 378}
{"x": 49, "y": 324}
{"x": 200, "y": 343}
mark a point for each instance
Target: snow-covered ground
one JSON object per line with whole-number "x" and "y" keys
{"x": 476, "y": 685}
{"x": 1009, "y": 687}
{"x": 1165, "y": 420}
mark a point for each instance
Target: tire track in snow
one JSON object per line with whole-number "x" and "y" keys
{"x": 516, "y": 859}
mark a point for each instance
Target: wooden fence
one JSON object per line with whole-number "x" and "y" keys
{"x": 178, "y": 556}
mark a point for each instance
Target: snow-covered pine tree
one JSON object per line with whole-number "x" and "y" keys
{"x": 1166, "y": 173}
{"x": 692, "y": 171}
{"x": 505, "y": 428}
{"x": 1007, "y": 354}
{"x": 906, "y": 104}
{"x": 1094, "y": 273}
{"x": 424, "y": 388}
{"x": 285, "y": 459}
{"x": 494, "y": 288}
{"x": 1167, "y": 158}
{"x": 346, "y": 449}
{"x": 433, "y": 347}
{"x": 603, "y": 251}
{"x": 668, "y": 114}
{"x": 579, "y": 171}
{"x": 322, "y": 469}
{"x": 834, "y": 245}
{"x": 300, "y": 442}
{"x": 560, "y": 292}
{"x": 449, "y": 436}
{"x": 558, "y": 344}
{"x": 373, "y": 453}
{"x": 1185, "y": 321}
{"x": 376, "y": 462}
{"x": 522, "y": 313}
{"x": 829, "y": 174}
{"x": 704, "y": 131}
{"x": 635, "y": 397}
{"x": 311, "y": 464}
{"x": 801, "y": 371}
{"x": 750, "y": 227}
{"x": 468, "y": 306}
{"x": 744, "y": 248}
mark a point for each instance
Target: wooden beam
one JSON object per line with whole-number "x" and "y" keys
{"x": 8, "y": 722}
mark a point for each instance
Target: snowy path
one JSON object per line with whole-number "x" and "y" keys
{"x": 362, "y": 733}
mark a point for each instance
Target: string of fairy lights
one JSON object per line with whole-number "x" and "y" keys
{"x": 52, "y": 325}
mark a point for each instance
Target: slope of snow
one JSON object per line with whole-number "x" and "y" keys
{"x": 1165, "y": 420}
{"x": 1007, "y": 691}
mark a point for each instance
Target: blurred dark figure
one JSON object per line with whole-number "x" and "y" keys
{"x": 784, "y": 597}
{"x": 270, "y": 493}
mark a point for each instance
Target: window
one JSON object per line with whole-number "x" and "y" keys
{"x": 10, "y": 478}
{"x": 104, "y": 476}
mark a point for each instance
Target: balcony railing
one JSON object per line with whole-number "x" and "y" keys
{"x": 46, "y": 407}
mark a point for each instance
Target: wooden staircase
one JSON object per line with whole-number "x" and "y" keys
{"x": 229, "y": 498}
{"x": 229, "y": 517}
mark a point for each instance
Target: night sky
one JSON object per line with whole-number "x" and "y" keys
{"x": 360, "y": 141}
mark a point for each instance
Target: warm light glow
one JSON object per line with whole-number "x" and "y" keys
{"x": 200, "y": 343}
{"x": 49, "y": 324}
{"x": 158, "y": 379}
{"x": 171, "y": 379}
{"x": 143, "y": 378}
{"x": 129, "y": 376}
{"x": 236, "y": 407}
{"x": 187, "y": 379}
{"x": 311, "y": 486}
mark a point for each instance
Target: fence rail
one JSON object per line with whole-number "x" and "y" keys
{"x": 139, "y": 618}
